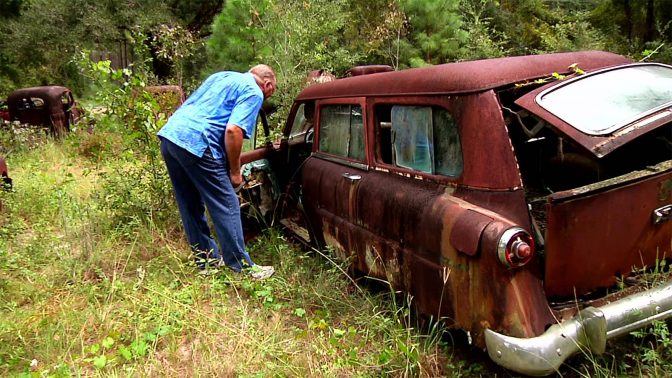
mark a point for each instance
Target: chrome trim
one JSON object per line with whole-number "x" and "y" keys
{"x": 504, "y": 241}
{"x": 352, "y": 177}
{"x": 587, "y": 332}
{"x": 340, "y": 160}
{"x": 662, "y": 214}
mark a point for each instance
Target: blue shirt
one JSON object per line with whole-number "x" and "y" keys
{"x": 223, "y": 98}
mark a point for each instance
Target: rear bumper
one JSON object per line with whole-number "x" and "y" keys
{"x": 588, "y": 331}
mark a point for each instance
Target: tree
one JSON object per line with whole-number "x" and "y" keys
{"x": 293, "y": 37}
{"x": 436, "y": 34}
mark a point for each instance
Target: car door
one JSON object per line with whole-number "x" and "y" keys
{"x": 331, "y": 176}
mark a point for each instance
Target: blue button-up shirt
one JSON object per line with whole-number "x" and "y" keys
{"x": 223, "y": 98}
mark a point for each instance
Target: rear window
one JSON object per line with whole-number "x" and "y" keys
{"x": 600, "y": 103}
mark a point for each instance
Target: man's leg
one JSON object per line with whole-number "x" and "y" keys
{"x": 211, "y": 177}
{"x": 189, "y": 202}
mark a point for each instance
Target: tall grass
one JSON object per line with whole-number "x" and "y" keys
{"x": 92, "y": 285}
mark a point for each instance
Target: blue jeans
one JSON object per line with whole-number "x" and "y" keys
{"x": 200, "y": 183}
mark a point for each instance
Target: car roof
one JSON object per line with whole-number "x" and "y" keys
{"x": 461, "y": 77}
{"x": 47, "y": 91}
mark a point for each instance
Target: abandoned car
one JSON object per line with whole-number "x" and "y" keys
{"x": 5, "y": 180}
{"x": 49, "y": 106}
{"x": 519, "y": 199}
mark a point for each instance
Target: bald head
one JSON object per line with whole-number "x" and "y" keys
{"x": 265, "y": 78}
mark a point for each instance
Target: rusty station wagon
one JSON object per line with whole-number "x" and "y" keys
{"x": 516, "y": 206}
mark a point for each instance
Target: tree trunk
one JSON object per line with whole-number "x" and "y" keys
{"x": 628, "y": 19}
{"x": 650, "y": 30}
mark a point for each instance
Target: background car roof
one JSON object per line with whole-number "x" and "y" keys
{"x": 461, "y": 77}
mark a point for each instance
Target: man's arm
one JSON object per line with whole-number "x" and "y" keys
{"x": 233, "y": 142}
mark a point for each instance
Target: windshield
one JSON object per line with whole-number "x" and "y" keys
{"x": 603, "y": 102}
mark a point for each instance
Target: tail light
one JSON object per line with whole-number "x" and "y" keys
{"x": 515, "y": 248}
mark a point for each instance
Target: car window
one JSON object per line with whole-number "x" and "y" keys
{"x": 601, "y": 103}
{"x": 421, "y": 138}
{"x": 303, "y": 120}
{"x": 342, "y": 131}
{"x": 299, "y": 122}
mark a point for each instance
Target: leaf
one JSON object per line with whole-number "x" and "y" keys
{"x": 300, "y": 312}
{"x": 108, "y": 342}
{"x": 126, "y": 353}
{"x": 139, "y": 348}
{"x": 100, "y": 361}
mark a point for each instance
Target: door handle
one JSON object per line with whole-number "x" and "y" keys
{"x": 662, "y": 214}
{"x": 352, "y": 177}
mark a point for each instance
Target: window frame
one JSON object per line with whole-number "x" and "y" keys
{"x": 444, "y": 102}
{"x": 356, "y": 101}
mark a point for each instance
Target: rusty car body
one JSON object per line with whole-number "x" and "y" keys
{"x": 168, "y": 97}
{"x": 5, "y": 180}
{"x": 50, "y": 106}
{"x": 505, "y": 201}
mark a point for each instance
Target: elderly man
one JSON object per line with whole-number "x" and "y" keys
{"x": 201, "y": 145}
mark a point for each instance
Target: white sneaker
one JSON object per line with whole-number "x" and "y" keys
{"x": 261, "y": 272}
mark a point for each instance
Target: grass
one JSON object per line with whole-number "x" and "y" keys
{"x": 94, "y": 284}
{"x": 96, "y": 280}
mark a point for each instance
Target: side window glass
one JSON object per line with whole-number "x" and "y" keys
{"x": 421, "y": 138}
{"x": 304, "y": 119}
{"x": 412, "y": 131}
{"x": 447, "y": 146}
{"x": 342, "y": 131}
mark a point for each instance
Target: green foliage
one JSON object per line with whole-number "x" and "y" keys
{"x": 137, "y": 189}
{"x": 237, "y": 35}
{"x": 40, "y": 43}
{"x": 175, "y": 45}
{"x": 293, "y": 37}
{"x": 484, "y": 41}
{"x": 437, "y": 34}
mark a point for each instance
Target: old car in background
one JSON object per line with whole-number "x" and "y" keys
{"x": 509, "y": 197}
{"x": 168, "y": 97}
{"x": 52, "y": 106}
{"x": 4, "y": 174}
{"x": 4, "y": 111}
{"x": 5, "y": 180}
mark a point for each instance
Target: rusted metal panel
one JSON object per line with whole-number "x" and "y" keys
{"x": 466, "y": 234}
{"x": 600, "y": 232}
{"x": 403, "y": 230}
{"x": 368, "y": 70}
{"x": 4, "y": 173}
{"x": 168, "y": 97}
{"x": 4, "y": 176}
{"x": 462, "y": 77}
{"x": 489, "y": 161}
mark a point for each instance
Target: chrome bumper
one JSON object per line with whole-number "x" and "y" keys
{"x": 588, "y": 331}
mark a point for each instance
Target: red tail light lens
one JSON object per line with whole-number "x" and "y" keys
{"x": 515, "y": 248}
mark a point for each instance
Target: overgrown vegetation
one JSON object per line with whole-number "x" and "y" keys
{"x": 95, "y": 275}
{"x": 186, "y": 41}
{"x": 93, "y": 283}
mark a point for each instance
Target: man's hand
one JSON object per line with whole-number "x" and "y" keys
{"x": 236, "y": 180}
